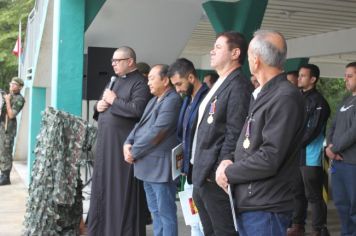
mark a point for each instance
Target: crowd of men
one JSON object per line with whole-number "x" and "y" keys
{"x": 261, "y": 140}
{"x": 264, "y": 141}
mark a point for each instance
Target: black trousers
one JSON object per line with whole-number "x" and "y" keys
{"x": 214, "y": 210}
{"x": 308, "y": 188}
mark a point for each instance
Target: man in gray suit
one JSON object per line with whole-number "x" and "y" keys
{"x": 149, "y": 147}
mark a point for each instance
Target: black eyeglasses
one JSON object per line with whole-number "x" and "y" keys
{"x": 116, "y": 61}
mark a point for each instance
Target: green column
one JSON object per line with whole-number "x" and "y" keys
{"x": 37, "y": 104}
{"x": 295, "y": 63}
{"x": 244, "y": 16}
{"x": 201, "y": 73}
{"x": 67, "y": 58}
{"x": 91, "y": 9}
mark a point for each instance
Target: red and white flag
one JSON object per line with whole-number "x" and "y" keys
{"x": 18, "y": 48}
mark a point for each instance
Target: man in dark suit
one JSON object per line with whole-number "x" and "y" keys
{"x": 149, "y": 147}
{"x": 221, "y": 116}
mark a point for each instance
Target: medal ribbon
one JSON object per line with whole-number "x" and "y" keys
{"x": 213, "y": 107}
{"x": 248, "y": 128}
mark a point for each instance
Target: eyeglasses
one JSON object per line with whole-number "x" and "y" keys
{"x": 116, "y": 61}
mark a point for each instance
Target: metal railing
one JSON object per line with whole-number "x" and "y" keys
{"x": 32, "y": 43}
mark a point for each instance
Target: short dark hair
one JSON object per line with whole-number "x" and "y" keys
{"x": 128, "y": 51}
{"x": 293, "y": 72}
{"x": 314, "y": 70}
{"x": 183, "y": 67}
{"x": 213, "y": 77}
{"x": 236, "y": 40}
{"x": 351, "y": 64}
{"x": 163, "y": 72}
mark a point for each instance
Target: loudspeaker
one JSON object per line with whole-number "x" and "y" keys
{"x": 98, "y": 72}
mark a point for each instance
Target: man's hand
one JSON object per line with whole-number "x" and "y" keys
{"x": 7, "y": 98}
{"x": 102, "y": 106}
{"x": 220, "y": 176}
{"x": 109, "y": 96}
{"x": 332, "y": 155}
{"x": 128, "y": 154}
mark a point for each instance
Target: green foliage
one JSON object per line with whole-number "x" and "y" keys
{"x": 10, "y": 14}
{"x": 334, "y": 91}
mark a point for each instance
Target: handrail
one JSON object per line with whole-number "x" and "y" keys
{"x": 32, "y": 43}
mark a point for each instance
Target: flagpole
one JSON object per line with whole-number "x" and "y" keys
{"x": 19, "y": 51}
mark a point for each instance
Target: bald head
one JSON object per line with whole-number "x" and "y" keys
{"x": 270, "y": 46}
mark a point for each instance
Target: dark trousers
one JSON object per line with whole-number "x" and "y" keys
{"x": 343, "y": 180}
{"x": 308, "y": 188}
{"x": 214, "y": 210}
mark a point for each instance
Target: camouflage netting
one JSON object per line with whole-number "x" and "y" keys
{"x": 54, "y": 205}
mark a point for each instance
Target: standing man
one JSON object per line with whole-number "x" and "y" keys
{"x": 292, "y": 76}
{"x": 265, "y": 155}
{"x": 210, "y": 79}
{"x": 185, "y": 79}
{"x": 149, "y": 148}
{"x": 115, "y": 204}
{"x": 221, "y": 116}
{"x": 309, "y": 181}
{"x": 14, "y": 103}
{"x": 342, "y": 152}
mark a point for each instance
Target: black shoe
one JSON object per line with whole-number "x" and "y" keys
{"x": 4, "y": 179}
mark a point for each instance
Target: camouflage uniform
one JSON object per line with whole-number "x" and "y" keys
{"x": 7, "y": 134}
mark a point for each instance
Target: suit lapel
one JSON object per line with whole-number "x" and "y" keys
{"x": 222, "y": 87}
{"x": 148, "y": 111}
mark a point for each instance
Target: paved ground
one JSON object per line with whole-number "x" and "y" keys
{"x": 13, "y": 201}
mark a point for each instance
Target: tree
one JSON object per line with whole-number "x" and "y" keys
{"x": 10, "y": 14}
{"x": 334, "y": 91}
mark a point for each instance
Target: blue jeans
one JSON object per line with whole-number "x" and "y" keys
{"x": 161, "y": 203}
{"x": 263, "y": 223}
{"x": 343, "y": 180}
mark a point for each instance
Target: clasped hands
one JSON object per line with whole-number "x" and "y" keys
{"x": 220, "y": 176}
{"x": 127, "y": 154}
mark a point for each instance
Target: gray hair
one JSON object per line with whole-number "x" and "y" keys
{"x": 129, "y": 52}
{"x": 268, "y": 52}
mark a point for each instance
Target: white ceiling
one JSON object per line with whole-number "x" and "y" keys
{"x": 162, "y": 30}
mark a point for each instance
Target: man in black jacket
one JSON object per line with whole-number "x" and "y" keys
{"x": 309, "y": 180}
{"x": 221, "y": 116}
{"x": 265, "y": 156}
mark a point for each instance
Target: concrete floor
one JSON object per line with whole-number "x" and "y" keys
{"x": 13, "y": 207}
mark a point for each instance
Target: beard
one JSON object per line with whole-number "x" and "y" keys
{"x": 190, "y": 90}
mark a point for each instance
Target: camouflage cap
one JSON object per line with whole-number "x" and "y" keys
{"x": 18, "y": 81}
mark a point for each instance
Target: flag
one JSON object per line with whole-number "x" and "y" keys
{"x": 17, "y": 49}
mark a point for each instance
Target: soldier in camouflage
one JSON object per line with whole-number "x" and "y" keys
{"x": 14, "y": 102}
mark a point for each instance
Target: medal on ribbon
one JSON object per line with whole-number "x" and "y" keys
{"x": 212, "y": 110}
{"x": 246, "y": 143}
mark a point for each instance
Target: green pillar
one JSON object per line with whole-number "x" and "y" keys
{"x": 91, "y": 9}
{"x": 295, "y": 63}
{"x": 201, "y": 73}
{"x": 67, "y": 58}
{"x": 37, "y": 104}
{"x": 244, "y": 16}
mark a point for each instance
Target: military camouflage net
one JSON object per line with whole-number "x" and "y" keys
{"x": 54, "y": 205}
